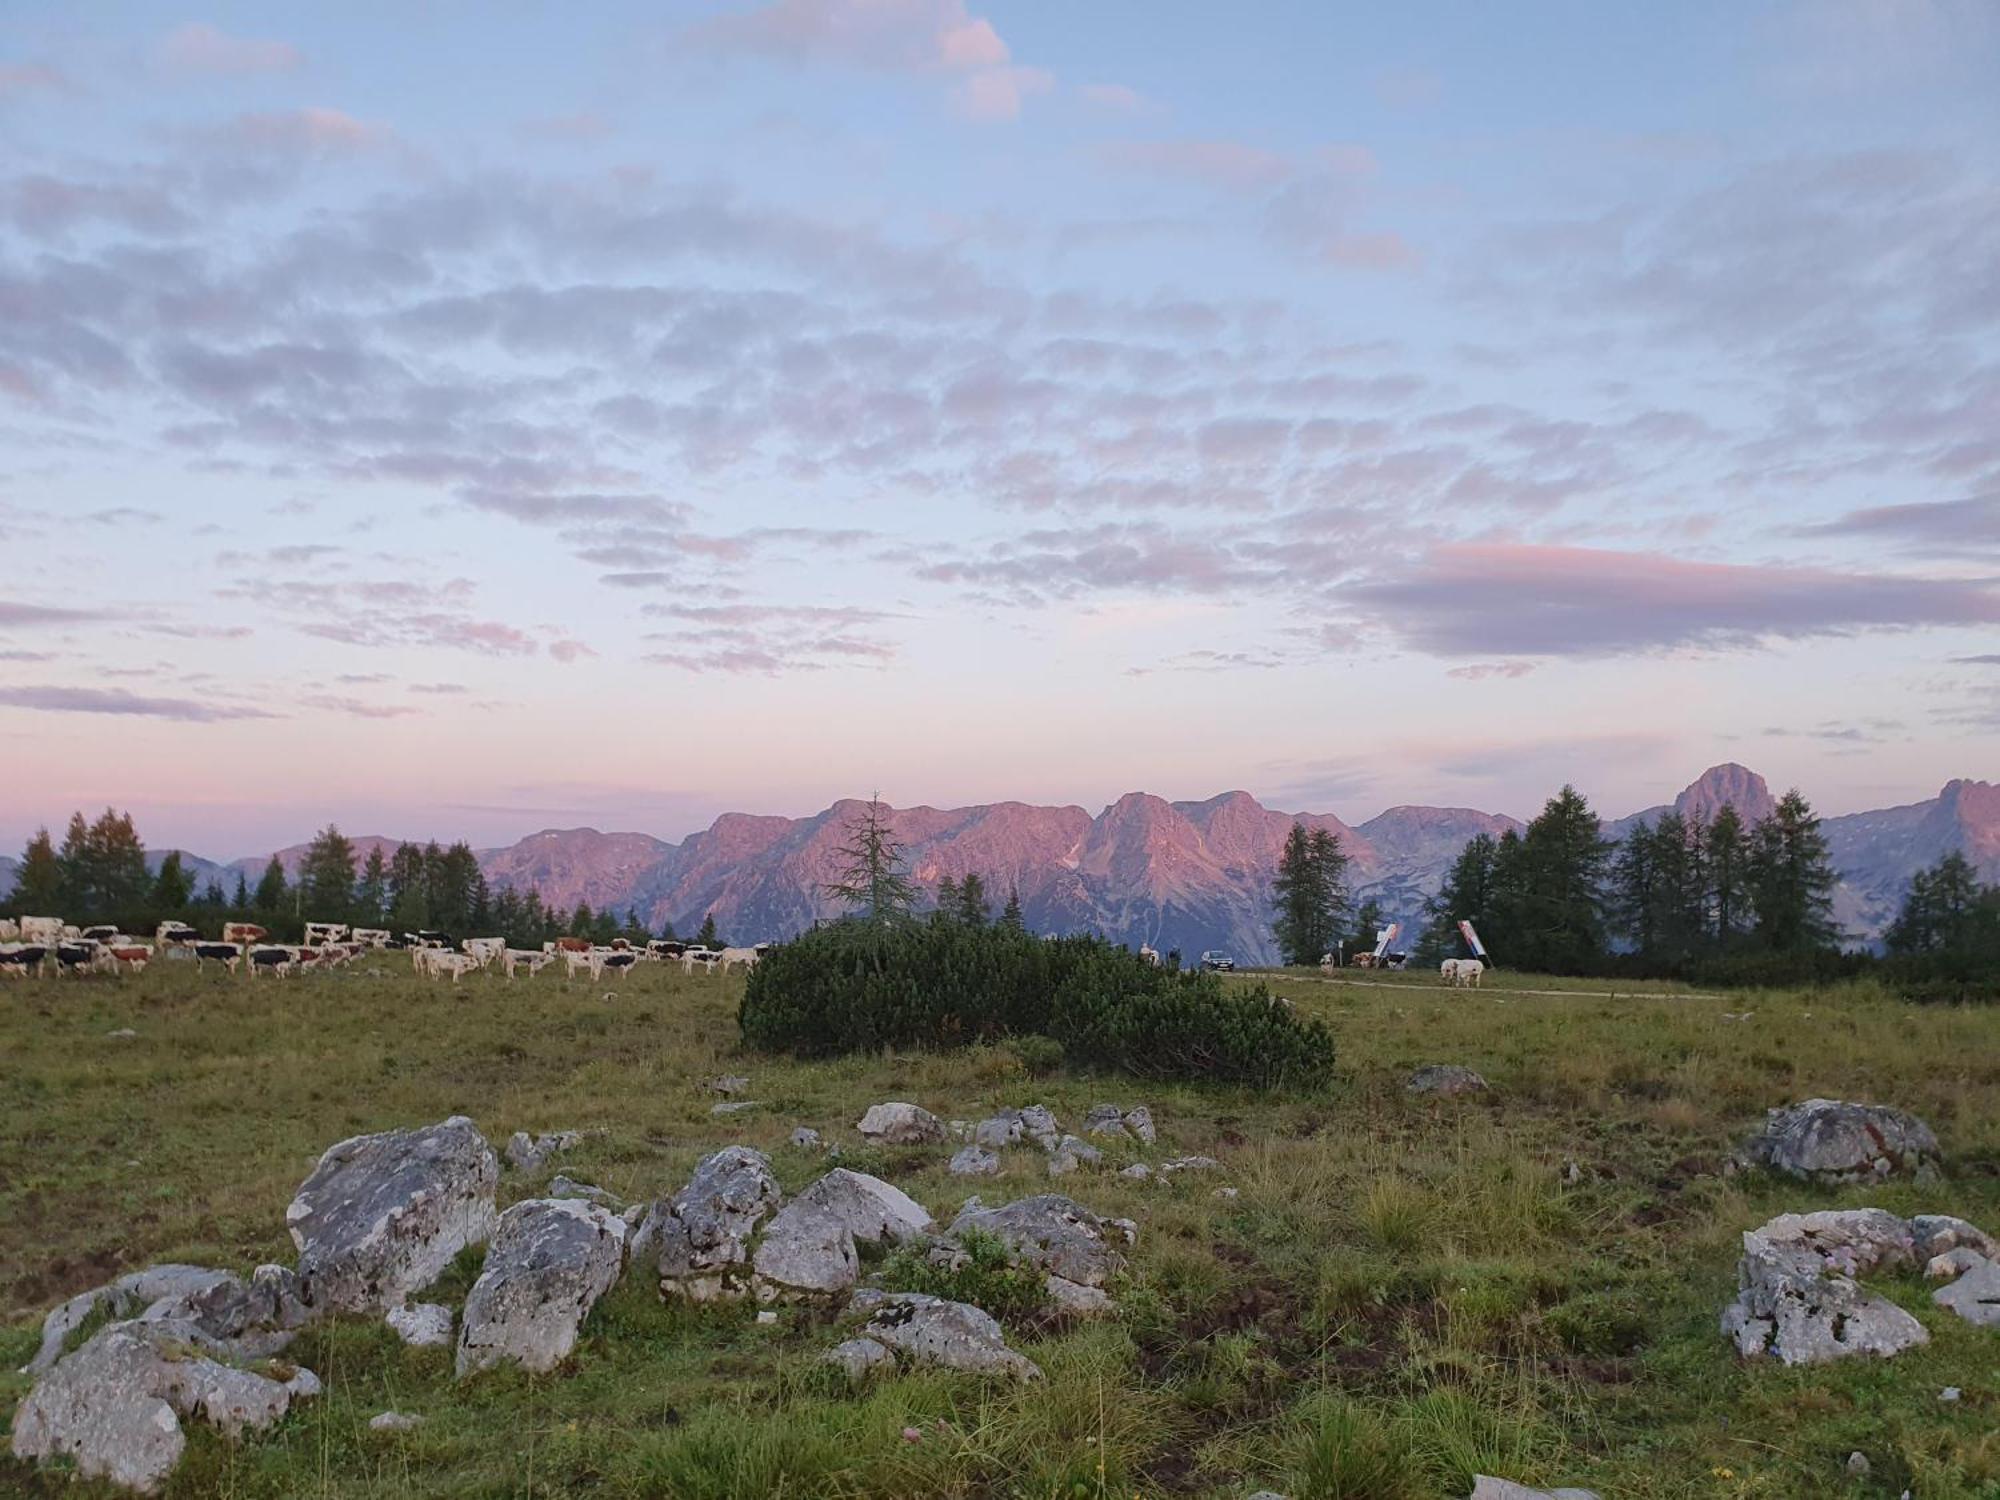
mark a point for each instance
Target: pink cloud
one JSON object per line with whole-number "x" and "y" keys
{"x": 568, "y": 650}
{"x": 201, "y": 48}
{"x": 1480, "y": 671}
{"x": 1580, "y": 601}
{"x": 1225, "y": 164}
{"x": 998, "y": 93}
{"x": 1113, "y": 96}
{"x": 31, "y": 78}
{"x": 889, "y": 35}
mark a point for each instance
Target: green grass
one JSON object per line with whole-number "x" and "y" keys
{"x": 1405, "y": 1292}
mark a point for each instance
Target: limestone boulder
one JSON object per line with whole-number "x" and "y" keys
{"x": 1447, "y": 1080}
{"x": 806, "y": 1251}
{"x": 698, "y": 1240}
{"x": 1051, "y": 1232}
{"x": 550, "y": 1260}
{"x": 900, "y": 1124}
{"x": 383, "y": 1215}
{"x": 875, "y": 1212}
{"x": 1827, "y": 1140}
{"x": 930, "y": 1332}
{"x": 114, "y": 1406}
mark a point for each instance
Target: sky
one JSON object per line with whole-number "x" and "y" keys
{"x": 455, "y": 420}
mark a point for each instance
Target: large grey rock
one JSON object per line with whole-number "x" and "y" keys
{"x": 1975, "y": 1296}
{"x": 1038, "y": 1124}
{"x": 1825, "y": 1140}
{"x": 1049, "y": 1231}
{"x": 1001, "y": 1131}
{"x": 806, "y": 1251}
{"x": 550, "y": 1260}
{"x": 875, "y": 1212}
{"x": 1072, "y": 1152}
{"x": 1486, "y": 1487}
{"x": 169, "y": 1285}
{"x": 1447, "y": 1079}
{"x": 899, "y": 1124}
{"x": 698, "y": 1240}
{"x": 929, "y": 1331}
{"x": 114, "y": 1405}
{"x": 1793, "y": 1303}
{"x": 394, "y": 1421}
{"x": 382, "y": 1216}
{"x": 1078, "y": 1301}
{"x": 422, "y": 1325}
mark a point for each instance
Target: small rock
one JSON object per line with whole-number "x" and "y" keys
{"x": 728, "y": 1084}
{"x": 423, "y": 1325}
{"x": 974, "y": 1161}
{"x": 1857, "y": 1464}
{"x": 1052, "y": 1232}
{"x": 393, "y": 1421}
{"x": 1486, "y": 1487}
{"x": 1138, "y": 1172}
{"x": 1446, "y": 1079}
{"x": 900, "y": 1124}
{"x": 121, "y": 1032}
{"x": 531, "y": 1153}
{"x": 1949, "y": 1393}
{"x": 1077, "y": 1300}
{"x": 767, "y": 1317}
{"x": 1189, "y": 1164}
{"x": 1975, "y": 1296}
{"x": 1224, "y": 1192}
{"x": 928, "y": 1330}
{"x": 568, "y": 1187}
{"x": 859, "y": 1357}
{"x": 735, "y": 1106}
{"x": 1939, "y": 1234}
{"x": 805, "y": 1138}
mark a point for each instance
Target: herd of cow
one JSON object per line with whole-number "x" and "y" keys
{"x": 35, "y": 946}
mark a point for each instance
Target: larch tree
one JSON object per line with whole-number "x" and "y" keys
{"x": 872, "y": 881}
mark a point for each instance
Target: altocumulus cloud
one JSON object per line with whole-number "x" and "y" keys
{"x": 80, "y": 700}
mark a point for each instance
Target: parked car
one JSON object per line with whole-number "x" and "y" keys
{"x": 1215, "y": 961}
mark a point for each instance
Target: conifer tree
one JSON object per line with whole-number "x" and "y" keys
{"x": 872, "y": 881}
{"x": 271, "y": 901}
{"x": 326, "y": 877}
{"x": 1728, "y": 860}
{"x": 39, "y": 883}
{"x": 1309, "y": 894}
{"x": 171, "y": 886}
{"x": 708, "y": 937}
{"x": 1010, "y": 914}
{"x": 371, "y": 891}
{"x": 1791, "y": 879}
{"x": 972, "y": 906}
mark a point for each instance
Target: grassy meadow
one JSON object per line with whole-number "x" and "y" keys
{"x": 1404, "y": 1292}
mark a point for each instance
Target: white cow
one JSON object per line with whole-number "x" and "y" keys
{"x": 575, "y": 963}
{"x": 1150, "y": 954}
{"x": 745, "y": 956}
{"x": 706, "y": 957}
{"x": 457, "y": 965}
{"x": 1469, "y": 971}
{"x": 531, "y": 959}
{"x": 43, "y": 930}
{"x": 371, "y": 937}
{"x": 10, "y": 930}
{"x": 484, "y": 950}
{"x": 319, "y": 934}
{"x": 1448, "y": 971}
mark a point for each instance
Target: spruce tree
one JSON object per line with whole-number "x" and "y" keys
{"x": 40, "y": 883}
{"x": 239, "y": 904}
{"x": 708, "y": 937}
{"x": 409, "y": 890}
{"x": 371, "y": 891}
{"x": 171, "y": 886}
{"x": 1466, "y": 895}
{"x": 1791, "y": 879}
{"x": 1010, "y": 915}
{"x": 1728, "y": 860}
{"x": 972, "y": 908}
{"x": 947, "y": 899}
{"x": 326, "y": 877}
{"x": 1308, "y": 894}
{"x": 270, "y": 901}
{"x": 1550, "y": 884}
{"x": 1943, "y": 911}
{"x": 78, "y": 862}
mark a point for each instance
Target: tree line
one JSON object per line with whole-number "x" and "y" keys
{"x": 99, "y": 874}
{"x": 1718, "y": 898}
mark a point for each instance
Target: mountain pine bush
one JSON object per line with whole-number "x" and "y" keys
{"x": 861, "y": 985}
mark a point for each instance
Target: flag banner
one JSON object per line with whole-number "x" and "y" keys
{"x": 1471, "y": 937}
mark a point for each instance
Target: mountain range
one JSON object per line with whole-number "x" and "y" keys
{"x": 1186, "y": 875}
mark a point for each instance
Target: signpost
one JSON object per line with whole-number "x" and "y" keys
{"x": 1471, "y": 936}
